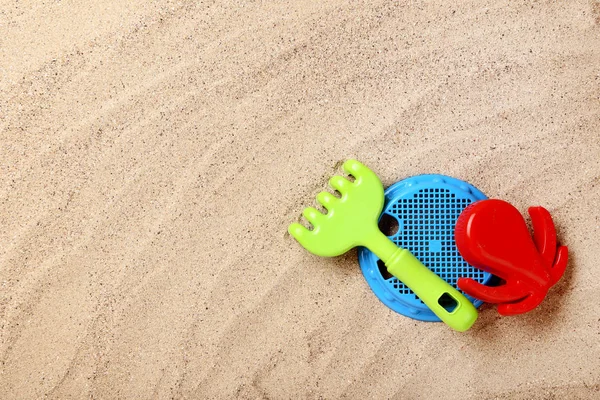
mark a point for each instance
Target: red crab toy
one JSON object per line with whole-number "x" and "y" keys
{"x": 493, "y": 236}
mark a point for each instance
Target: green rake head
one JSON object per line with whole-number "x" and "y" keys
{"x": 350, "y": 220}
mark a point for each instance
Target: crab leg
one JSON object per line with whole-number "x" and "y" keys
{"x": 527, "y": 304}
{"x": 544, "y": 233}
{"x": 508, "y": 292}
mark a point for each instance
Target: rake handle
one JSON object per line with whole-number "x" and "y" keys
{"x": 430, "y": 288}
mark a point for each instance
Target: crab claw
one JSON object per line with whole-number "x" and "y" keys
{"x": 560, "y": 265}
{"x": 544, "y": 233}
{"x": 544, "y": 236}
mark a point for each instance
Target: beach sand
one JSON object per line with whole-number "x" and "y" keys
{"x": 153, "y": 154}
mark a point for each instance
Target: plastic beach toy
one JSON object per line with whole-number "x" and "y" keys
{"x": 492, "y": 235}
{"x": 352, "y": 221}
{"x": 419, "y": 215}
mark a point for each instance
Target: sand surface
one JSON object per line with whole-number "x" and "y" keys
{"x": 152, "y": 155}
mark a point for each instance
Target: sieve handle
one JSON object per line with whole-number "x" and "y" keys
{"x": 445, "y": 301}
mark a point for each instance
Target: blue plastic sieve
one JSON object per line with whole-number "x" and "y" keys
{"x": 424, "y": 209}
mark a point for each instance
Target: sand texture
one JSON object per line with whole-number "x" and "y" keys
{"x": 152, "y": 155}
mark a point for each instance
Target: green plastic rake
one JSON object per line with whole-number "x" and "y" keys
{"x": 352, "y": 221}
